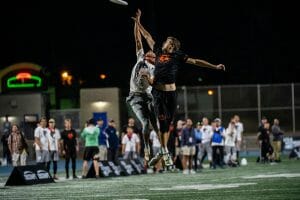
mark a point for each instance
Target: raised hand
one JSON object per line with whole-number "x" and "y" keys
{"x": 221, "y": 67}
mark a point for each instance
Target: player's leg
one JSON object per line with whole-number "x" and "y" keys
{"x": 139, "y": 106}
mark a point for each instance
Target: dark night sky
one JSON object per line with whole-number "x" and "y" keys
{"x": 257, "y": 41}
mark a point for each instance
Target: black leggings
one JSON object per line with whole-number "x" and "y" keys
{"x": 54, "y": 166}
{"x": 73, "y": 158}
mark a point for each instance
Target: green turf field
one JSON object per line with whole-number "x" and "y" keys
{"x": 254, "y": 181}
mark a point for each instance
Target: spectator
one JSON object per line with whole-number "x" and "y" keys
{"x": 41, "y": 143}
{"x": 230, "y": 143}
{"x": 217, "y": 143}
{"x": 198, "y": 135}
{"x": 266, "y": 149}
{"x": 70, "y": 147}
{"x": 239, "y": 136}
{"x": 130, "y": 145}
{"x": 17, "y": 146}
{"x": 113, "y": 142}
{"x": 277, "y": 140}
{"x": 90, "y": 134}
{"x": 54, "y": 146}
{"x": 102, "y": 139}
{"x": 4, "y": 139}
{"x": 188, "y": 147}
{"x": 207, "y": 133}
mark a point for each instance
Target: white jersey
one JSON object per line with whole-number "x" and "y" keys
{"x": 240, "y": 130}
{"x": 206, "y": 133}
{"x": 130, "y": 144}
{"x": 137, "y": 82}
{"x": 43, "y": 135}
{"x": 154, "y": 138}
{"x": 230, "y": 135}
{"x": 54, "y": 139}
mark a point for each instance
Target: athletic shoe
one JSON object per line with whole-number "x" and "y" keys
{"x": 155, "y": 159}
{"x": 168, "y": 160}
{"x": 192, "y": 171}
{"x": 74, "y": 176}
{"x": 55, "y": 177}
{"x": 186, "y": 171}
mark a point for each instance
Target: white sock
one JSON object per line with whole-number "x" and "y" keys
{"x": 164, "y": 150}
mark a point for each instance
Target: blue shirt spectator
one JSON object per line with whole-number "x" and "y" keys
{"x": 113, "y": 139}
{"x": 188, "y": 137}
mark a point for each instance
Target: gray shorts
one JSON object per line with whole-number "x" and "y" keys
{"x": 53, "y": 156}
{"x": 42, "y": 156}
{"x": 155, "y": 150}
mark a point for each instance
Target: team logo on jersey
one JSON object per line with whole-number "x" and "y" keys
{"x": 70, "y": 135}
{"x": 164, "y": 58}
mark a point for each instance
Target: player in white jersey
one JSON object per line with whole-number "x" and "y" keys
{"x": 140, "y": 98}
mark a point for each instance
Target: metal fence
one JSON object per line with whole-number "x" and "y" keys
{"x": 250, "y": 102}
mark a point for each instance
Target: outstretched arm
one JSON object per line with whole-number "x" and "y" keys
{"x": 137, "y": 36}
{"x": 144, "y": 32}
{"x": 203, "y": 63}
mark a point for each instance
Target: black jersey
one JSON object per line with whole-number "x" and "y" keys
{"x": 167, "y": 65}
{"x": 69, "y": 138}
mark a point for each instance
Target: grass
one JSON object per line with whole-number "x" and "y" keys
{"x": 233, "y": 183}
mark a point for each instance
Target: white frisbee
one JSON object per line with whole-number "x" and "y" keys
{"x": 120, "y": 2}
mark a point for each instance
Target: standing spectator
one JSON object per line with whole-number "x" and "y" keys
{"x": 41, "y": 142}
{"x": 70, "y": 147}
{"x": 131, "y": 123}
{"x": 4, "y": 140}
{"x": 90, "y": 134}
{"x": 230, "y": 143}
{"x": 207, "y": 133}
{"x": 266, "y": 150}
{"x": 130, "y": 145}
{"x": 178, "y": 139}
{"x": 17, "y": 146}
{"x": 188, "y": 147}
{"x": 113, "y": 142}
{"x": 54, "y": 146}
{"x": 217, "y": 143}
{"x": 102, "y": 139}
{"x": 277, "y": 140}
{"x": 239, "y": 135}
{"x": 198, "y": 136}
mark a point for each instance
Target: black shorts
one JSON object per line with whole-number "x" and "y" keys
{"x": 165, "y": 103}
{"x": 90, "y": 152}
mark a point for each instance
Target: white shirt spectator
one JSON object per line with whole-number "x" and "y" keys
{"x": 230, "y": 135}
{"x": 206, "y": 133}
{"x": 54, "y": 139}
{"x": 43, "y": 135}
{"x": 130, "y": 144}
{"x": 154, "y": 138}
{"x": 240, "y": 130}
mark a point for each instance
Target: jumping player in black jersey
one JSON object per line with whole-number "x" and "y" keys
{"x": 168, "y": 60}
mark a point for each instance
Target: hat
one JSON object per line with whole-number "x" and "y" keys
{"x": 217, "y": 120}
{"x": 51, "y": 120}
{"x": 198, "y": 123}
{"x": 111, "y": 120}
